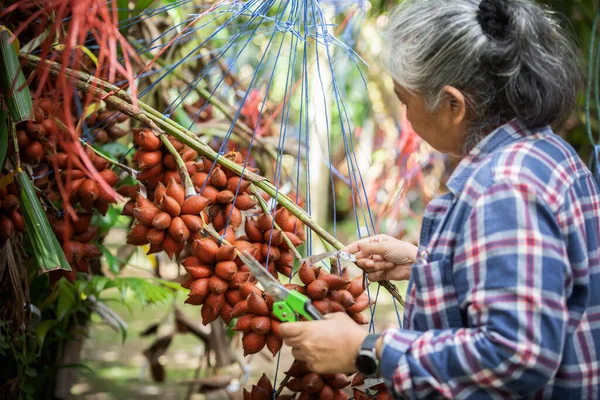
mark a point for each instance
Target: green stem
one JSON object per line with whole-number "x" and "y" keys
{"x": 183, "y": 172}
{"x": 127, "y": 169}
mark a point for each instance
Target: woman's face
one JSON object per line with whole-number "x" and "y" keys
{"x": 443, "y": 128}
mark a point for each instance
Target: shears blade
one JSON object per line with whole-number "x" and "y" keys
{"x": 340, "y": 255}
{"x": 269, "y": 283}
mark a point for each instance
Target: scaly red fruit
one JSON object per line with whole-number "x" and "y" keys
{"x": 225, "y": 270}
{"x": 179, "y": 230}
{"x": 205, "y": 250}
{"x": 138, "y": 235}
{"x": 199, "y": 287}
{"x": 218, "y": 178}
{"x": 338, "y": 381}
{"x": 155, "y": 236}
{"x": 175, "y": 191}
{"x": 273, "y": 343}
{"x": 194, "y": 205}
{"x": 234, "y": 182}
{"x": 193, "y": 222}
{"x": 217, "y": 285}
{"x": 252, "y": 230}
{"x": 225, "y": 196}
{"x": 239, "y": 309}
{"x": 172, "y": 246}
{"x": 146, "y": 139}
{"x": 317, "y": 290}
{"x": 294, "y": 240}
{"x": 244, "y": 323}
{"x": 199, "y": 271}
{"x": 170, "y": 206}
{"x": 312, "y": 383}
{"x": 162, "y": 220}
{"x": 244, "y": 201}
{"x": 261, "y": 325}
{"x": 306, "y": 274}
{"x": 239, "y": 278}
{"x": 362, "y": 302}
{"x": 356, "y": 286}
{"x": 334, "y": 282}
{"x": 252, "y": 343}
{"x": 148, "y": 159}
{"x": 257, "y": 304}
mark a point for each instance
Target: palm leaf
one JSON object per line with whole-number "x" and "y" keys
{"x": 48, "y": 253}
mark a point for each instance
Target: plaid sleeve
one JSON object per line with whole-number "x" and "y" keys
{"x": 511, "y": 266}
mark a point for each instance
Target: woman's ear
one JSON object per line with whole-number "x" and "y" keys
{"x": 457, "y": 106}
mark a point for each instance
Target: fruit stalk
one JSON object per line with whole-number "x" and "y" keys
{"x": 188, "y": 186}
{"x": 124, "y": 167}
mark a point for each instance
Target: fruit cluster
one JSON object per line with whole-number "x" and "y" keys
{"x": 155, "y": 161}
{"x": 11, "y": 220}
{"x": 314, "y": 386}
{"x": 334, "y": 293}
{"x": 79, "y": 186}
{"x": 108, "y": 125}
{"x": 37, "y": 136}
{"x": 75, "y": 237}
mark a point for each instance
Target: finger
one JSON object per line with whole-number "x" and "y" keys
{"x": 292, "y": 329}
{"x": 376, "y": 266}
{"x": 377, "y": 257}
{"x": 299, "y": 354}
{"x": 373, "y": 248}
{"x": 376, "y": 276}
{"x": 354, "y": 247}
{"x": 365, "y": 264}
{"x": 329, "y": 316}
{"x": 293, "y": 342}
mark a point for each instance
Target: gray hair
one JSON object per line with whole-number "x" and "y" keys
{"x": 533, "y": 74}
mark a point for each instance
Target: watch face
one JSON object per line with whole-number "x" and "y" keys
{"x": 366, "y": 364}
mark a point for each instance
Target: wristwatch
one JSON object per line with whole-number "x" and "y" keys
{"x": 366, "y": 361}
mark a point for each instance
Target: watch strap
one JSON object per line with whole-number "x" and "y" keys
{"x": 370, "y": 342}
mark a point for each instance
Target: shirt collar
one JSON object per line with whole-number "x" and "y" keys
{"x": 500, "y": 137}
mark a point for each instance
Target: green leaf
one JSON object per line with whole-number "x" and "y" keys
{"x": 31, "y": 372}
{"x": 48, "y": 253}
{"x": 107, "y": 221}
{"x": 124, "y": 12}
{"x": 14, "y": 87}
{"x": 77, "y": 366}
{"x": 3, "y": 135}
{"x": 146, "y": 291}
{"x": 41, "y": 330}
{"x": 112, "y": 261}
{"x": 67, "y": 299}
{"x": 114, "y": 150}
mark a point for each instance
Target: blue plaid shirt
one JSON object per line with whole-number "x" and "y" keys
{"x": 504, "y": 299}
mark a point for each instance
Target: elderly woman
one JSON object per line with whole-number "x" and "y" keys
{"x": 504, "y": 293}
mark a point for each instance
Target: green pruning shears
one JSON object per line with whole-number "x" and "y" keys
{"x": 288, "y": 303}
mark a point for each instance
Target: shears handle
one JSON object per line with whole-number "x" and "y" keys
{"x": 296, "y": 304}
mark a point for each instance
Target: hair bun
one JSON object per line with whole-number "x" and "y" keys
{"x": 494, "y": 18}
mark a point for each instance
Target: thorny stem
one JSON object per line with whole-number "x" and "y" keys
{"x": 164, "y": 125}
{"x": 265, "y": 209}
{"x": 183, "y": 172}
{"x": 127, "y": 169}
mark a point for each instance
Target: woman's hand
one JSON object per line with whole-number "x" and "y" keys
{"x": 328, "y": 346}
{"x": 383, "y": 257}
